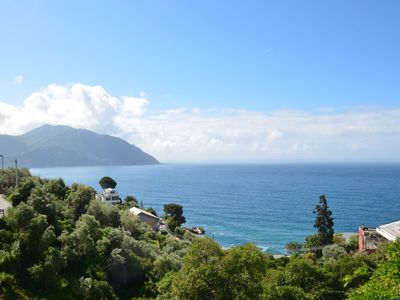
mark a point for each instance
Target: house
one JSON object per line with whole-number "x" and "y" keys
{"x": 146, "y": 217}
{"x": 390, "y": 231}
{"x": 369, "y": 238}
{"x": 109, "y": 196}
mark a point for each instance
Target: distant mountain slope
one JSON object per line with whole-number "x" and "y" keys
{"x": 55, "y": 146}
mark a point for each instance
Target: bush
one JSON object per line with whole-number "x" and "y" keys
{"x": 333, "y": 252}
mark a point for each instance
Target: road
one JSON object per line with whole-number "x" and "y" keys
{"x": 4, "y": 204}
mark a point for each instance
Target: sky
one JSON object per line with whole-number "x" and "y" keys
{"x": 207, "y": 81}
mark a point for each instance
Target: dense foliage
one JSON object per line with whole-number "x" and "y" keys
{"x": 107, "y": 182}
{"x": 58, "y": 242}
{"x": 174, "y": 215}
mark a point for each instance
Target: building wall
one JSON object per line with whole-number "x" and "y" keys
{"x": 154, "y": 223}
{"x": 360, "y": 239}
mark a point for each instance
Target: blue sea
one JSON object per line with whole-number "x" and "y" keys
{"x": 268, "y": 204}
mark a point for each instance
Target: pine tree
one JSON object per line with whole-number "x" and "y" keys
{"x": 324, "y": 221}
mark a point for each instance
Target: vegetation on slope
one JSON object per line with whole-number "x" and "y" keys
{"x": 57, "y": 242}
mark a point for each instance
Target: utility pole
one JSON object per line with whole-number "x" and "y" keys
{"x": 2, "y": 171}
{"x": 16, "y": 172}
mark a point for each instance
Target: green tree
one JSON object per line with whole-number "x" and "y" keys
{"x": 208, "y": 272}
{"x": 151, "y": 210}
{"x": 350, "y": 271}
{"x": 22, "y": 192}
{"x": 294, "y": 247}
{"x": 95, "y": 289}
{"x": 200, "y": 276}
{"x": 312, "y": 243}
{"x": 58, "y": 242}
{"x": 352, "y": 243}
{"x": 78, "y": 199}
{"x": 333, "y": 252}
{"x": 56, "y": 187}
{"x": 132, "y": 224}
{"x": 8, "y": 176}
{"x": 44, "y": 203}
{"x": 385, "y": 282}
{"x": 132, "y": 201}
{"x": 324, "y": 221}
{"x": 45, "y": 274}
{"x": 301, "y": 272}
{"x": 107, "y": 182}
{"x": 173, "y": 214}
{"x": 9, "y": 288}
{"x": 243, "y": 269}
{"x": 107, "y": 215}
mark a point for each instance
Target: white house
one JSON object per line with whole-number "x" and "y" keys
{"x": 109, "y": 196}
{"x": 146, "y": 217}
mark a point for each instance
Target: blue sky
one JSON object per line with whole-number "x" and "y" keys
{"x": 257, "y": 56}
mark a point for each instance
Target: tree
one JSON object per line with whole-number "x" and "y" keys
{"x": 312, "y": 243}
{"x": 324, "y": 221}
{"x": 107, "y": 215}
{"x": 151, "y": 210}
{"x": 22, "y": 192}
{"x": 333, "y": 252}
{"x": 132, "y": 201}
{"x": 174, "y": 215}
{"x": 200, "y": 275}
{"x": 107, "y": 182}
{"x": 9, "y": 288}
{"x": 44, "y": 203}
{"x": 304, "y": 273}
{"x": 385, "y": 282}
{"x": 78, "y": 199}
{"x": 243, "y": 269}
{"x": 56, "y": 187}
{"x": 352, "y": 244}
{"x": 293, "y": 247}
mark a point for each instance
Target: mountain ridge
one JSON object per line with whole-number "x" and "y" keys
{"x": 64, "y": 146}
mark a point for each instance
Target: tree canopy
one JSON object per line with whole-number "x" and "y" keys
{"x": 173, "y": 214}
{"x": 59, "y": 242}
{"x": 107, "y": 182}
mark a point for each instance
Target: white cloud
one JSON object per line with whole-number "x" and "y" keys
{"x": 19, "y": 79}
{"x": 192, "y": 134}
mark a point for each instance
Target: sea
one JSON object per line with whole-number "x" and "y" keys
{"x": 266, "y": 204}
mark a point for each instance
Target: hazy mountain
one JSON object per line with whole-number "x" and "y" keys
{"x": 54, "y": 146}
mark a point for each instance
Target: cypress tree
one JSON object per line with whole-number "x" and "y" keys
{"x": 324, "y": 221}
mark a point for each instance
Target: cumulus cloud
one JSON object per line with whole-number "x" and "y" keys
{"x": 19, "y": 79}
{"x": 77, "y": 105}
{"x": 192, "y": 134}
